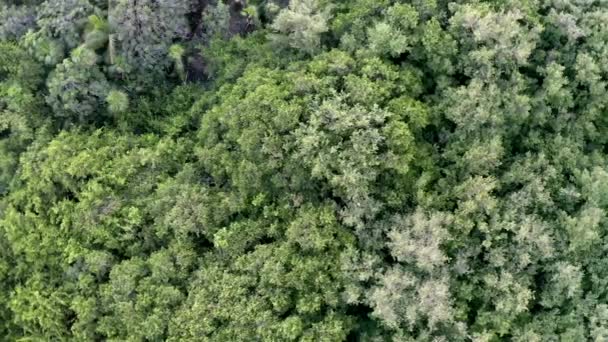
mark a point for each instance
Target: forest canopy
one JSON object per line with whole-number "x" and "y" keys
{"x": 303, "y": 170}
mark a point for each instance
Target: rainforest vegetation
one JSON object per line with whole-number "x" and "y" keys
{"x": 304, "y": 170}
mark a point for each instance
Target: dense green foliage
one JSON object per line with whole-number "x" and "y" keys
{"x": 304, "y": 170}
